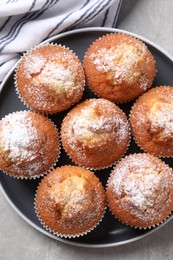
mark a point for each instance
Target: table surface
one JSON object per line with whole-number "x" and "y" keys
{"x": 153, "y": 20}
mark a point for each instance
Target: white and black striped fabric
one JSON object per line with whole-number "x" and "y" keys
{"x": 25, "y": 23}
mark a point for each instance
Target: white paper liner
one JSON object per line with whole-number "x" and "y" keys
{"x": 66, "y": 235}
{"x": 136, "y": 227}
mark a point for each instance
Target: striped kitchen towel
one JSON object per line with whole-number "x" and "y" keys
{"x": 26, "y": 23}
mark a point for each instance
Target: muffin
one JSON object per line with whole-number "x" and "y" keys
{"x": 50, "y": 78}
{"x": 119, "y": 67}
{"x": 29, "y": 144}
{"x": 70, "y": 201}
{"x": 152, "y": 121}
{"x": 140, "y": 190}
{"x": 95, "y": 133}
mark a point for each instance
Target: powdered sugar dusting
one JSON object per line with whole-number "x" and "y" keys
{"x": 121, "y": 63}
{"x": 50, "y": 78}
{"x": 59, "y": 70}
{"x": 161, "y": 119}
{"x": 17, "y": 140}
{"x": 142, "y": 184}
{"x": 61, "y": 78}
{"x": 74, "y": 203}
{"x": 72, "y": 197}
{"x": 18, "y": 135}
{"x": 142, "y": 193}
{"x": 91, "y": 126}
{"x": 95, "y": 134}
{"x": 34, "y": 64}
{"x": 134, "y": 165}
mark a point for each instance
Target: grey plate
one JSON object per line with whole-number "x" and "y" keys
{"x": 20, "y": 193}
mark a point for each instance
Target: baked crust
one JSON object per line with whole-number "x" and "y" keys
{"x": 119, "y": 67}
{"x": 152, "y": 121}
{"x": 50, "y": 78}
{"x": 70, "y": 201}
{"x": 29, "y": 144}
{"x": 140, "y": 190}
{"x": 95, "y": 134}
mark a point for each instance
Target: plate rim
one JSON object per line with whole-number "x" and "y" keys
{"x": 87, "y": 29}
{"x": 78, "y": 244}
{"x": 17, "y": 210}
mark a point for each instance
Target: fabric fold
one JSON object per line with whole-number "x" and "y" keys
{"x": 24, "y": 24}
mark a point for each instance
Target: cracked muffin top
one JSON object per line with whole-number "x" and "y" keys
{"x": 140, "y": 190}
{"x": 95, "y": 133}
{"x": 29, "y": 144}
{"x": 152, "y": 121}
{"x": 50, "y": 78}
{"x": 70, "y": 201}
{"x": 119, "y": 67}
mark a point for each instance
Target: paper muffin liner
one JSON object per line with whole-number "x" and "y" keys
{"x": 123, "y": 222}
{"x": 103, "y": 167}
{"x": 140, "y": 228}
{"x": 136, "y": 141}
{"x": 66, "y": 235}
{"x": 119, "y": 33}
{"x": 55, "y": 233}
{"x": 36, "y": 176}
{"x": 23, "y": 57}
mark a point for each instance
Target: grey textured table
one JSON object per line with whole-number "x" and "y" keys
{"x": 18, "y": 240}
